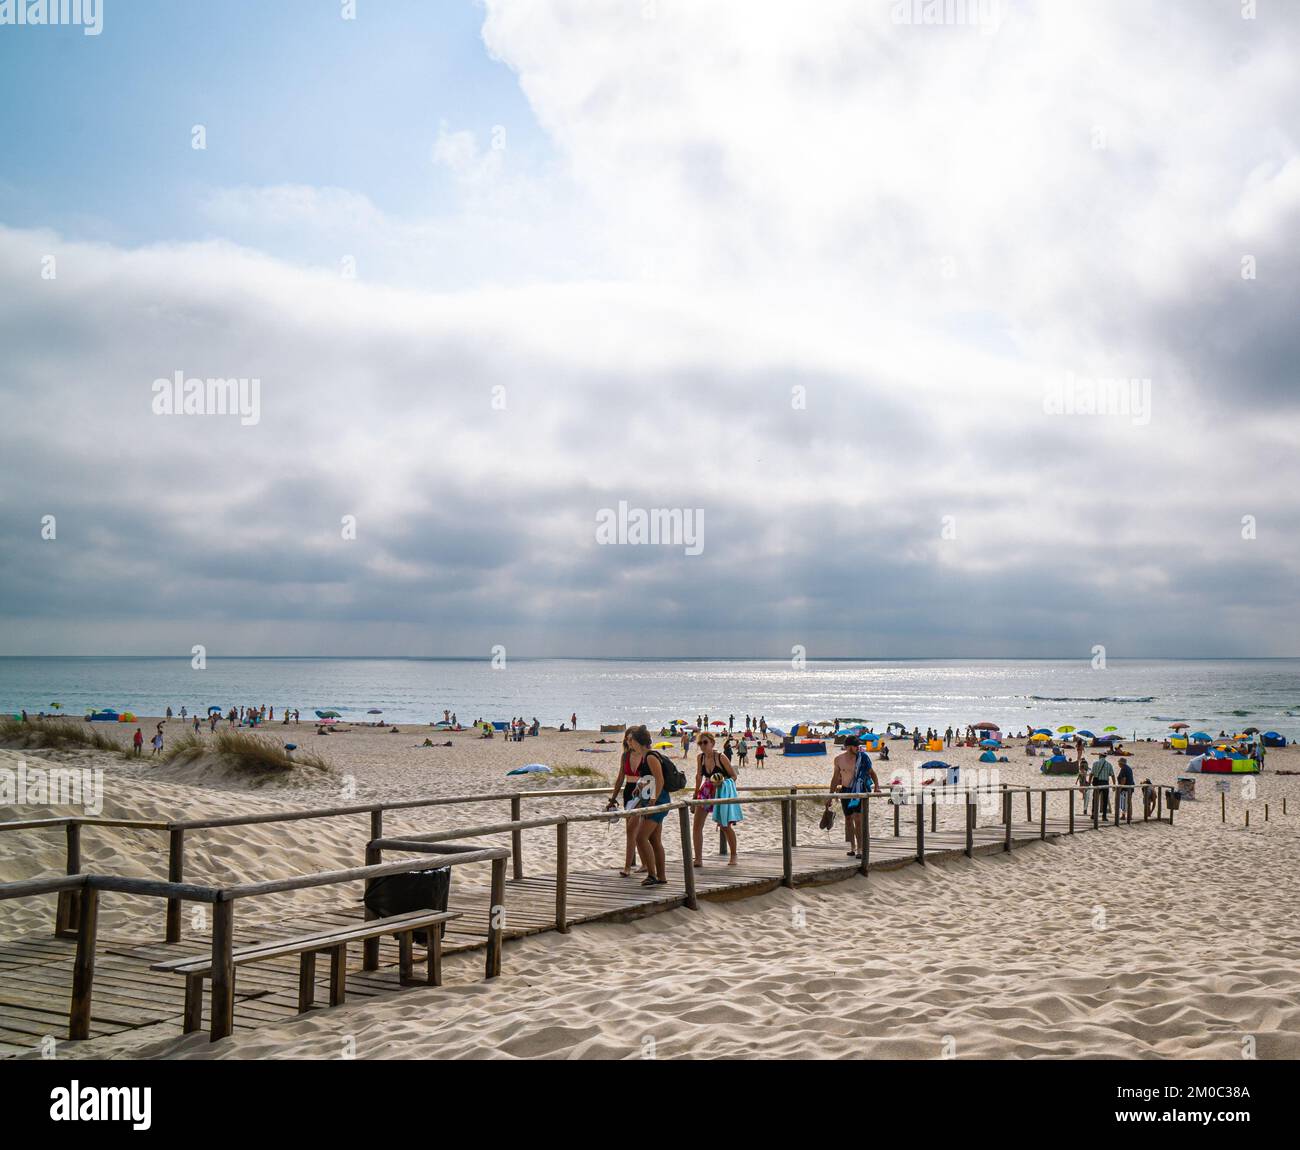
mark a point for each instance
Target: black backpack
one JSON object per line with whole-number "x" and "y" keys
{"x": 674, "y": 780}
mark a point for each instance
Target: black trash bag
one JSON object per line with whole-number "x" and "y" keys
{"x": 415, "y": 890}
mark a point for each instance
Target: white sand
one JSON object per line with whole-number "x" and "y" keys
{"x": 1144, "y": 941}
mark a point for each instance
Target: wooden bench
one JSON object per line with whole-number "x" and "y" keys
{"x": 308, "y": 946}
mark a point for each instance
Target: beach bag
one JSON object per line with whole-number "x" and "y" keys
{"x": 674, "y": 780}
{"x": 415, "y": 890}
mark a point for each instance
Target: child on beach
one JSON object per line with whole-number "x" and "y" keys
{"x": 137, "y": 740}
{"x": 157, "y": 741}
{"x": 760, "y": 755}
{"x": 710, "y": 769}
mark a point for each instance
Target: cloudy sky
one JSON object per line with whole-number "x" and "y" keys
{"x": 826, "y": 273}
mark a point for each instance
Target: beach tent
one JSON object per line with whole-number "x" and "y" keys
{"x": 988, "y": 757}
{"x": 108, "y": 715}
{"x": 990, "y": 743}
{"x": 1273, "y": 739}
{"x": 1057, "y": 765}
{"x": 804, "y": 747}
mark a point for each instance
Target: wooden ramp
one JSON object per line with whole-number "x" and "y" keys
{"x": 36, "y": 971}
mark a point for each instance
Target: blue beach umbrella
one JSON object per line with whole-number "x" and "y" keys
{"x": 1201, "y": 737}
{"x": 1086, "y": 734}
{"x": 1042, "y": 731}
{"x": 211, "y": 709}
{"x": 935, "y": 764}
{"x": 776, "y": 731}
{"x": 989, "y": 743}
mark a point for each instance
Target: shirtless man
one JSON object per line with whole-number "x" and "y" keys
{"x": 843, "y": 770}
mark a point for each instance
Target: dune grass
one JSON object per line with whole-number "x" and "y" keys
{"x": 242, "y": 749}
{"x": 55, "y": 735}
{"x": 579, "y": 773}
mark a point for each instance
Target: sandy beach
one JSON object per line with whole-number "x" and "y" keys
{"x": 1143, "y": 942}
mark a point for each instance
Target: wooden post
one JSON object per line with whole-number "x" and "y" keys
{"x": 1072, "y": 789}
{"x": 1029, "y": 806}
{"x": 1042, "y": 815}
{"x": 1114, "y": 798}
{"x": 934, "y": 812}
{"x": 920, "y": 829}
{"x": 688, "y": 857}
{"x": 1096, "y": 807}
{"x": 370, "y": 947}
{"x": 1171, "y": 819}
{"x": 83, "y": 968}
{"x": 66, "y": 912}
{"x": 794, "y": 821}
{"x": 970, "y": 825}
{"x": 866, "y": 837}
{"x": 1266, "y": 812}
{"x": 175, "y": 873}
{"x": 1006, "y": 815}
{"x": 223, "y": 969}
{"x": 895, "y": 820}
{"x": 306, "y": 980}
{"x": 516, "y": 838}
{"x": 1223, "y": 807}
{"x": 339, "y": 972}
{"x": 496, "y": 919}
{"x": 787, "y": 850}
{"x": 1160, "y": 803}
{"x": 1171, "y": 814}
{"x": 562, "y": 877}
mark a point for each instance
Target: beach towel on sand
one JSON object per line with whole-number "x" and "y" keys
{"x": 724, "y": 814}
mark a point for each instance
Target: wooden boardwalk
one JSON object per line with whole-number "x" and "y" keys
{"x": 36, "y": 972}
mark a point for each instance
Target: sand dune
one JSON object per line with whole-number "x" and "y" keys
{"x": 1144, "y": 942}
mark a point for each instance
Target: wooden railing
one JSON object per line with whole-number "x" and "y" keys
{"x": 79, "y": 892}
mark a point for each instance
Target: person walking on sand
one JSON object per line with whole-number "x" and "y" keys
{"x": 843, "y": 772}
{"x": 157, "y": 741}
{"x": 1124, "y": 795}
{"x": 1085, "y": 783}
{"x": 626, "y": 781}
{"x": 725, "y": 814}
{"x": 1102, "y": 773}
{"x": 137, "y": 740}
{"x": 686, "y": 742}
{"x": 652, "y": 792}
{"x": 711, "y": 767}
{"x": 760, "y": 755}
{"x": 573, "y": 721}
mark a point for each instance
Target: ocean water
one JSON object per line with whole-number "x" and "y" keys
{"x": 1140, "y": 697}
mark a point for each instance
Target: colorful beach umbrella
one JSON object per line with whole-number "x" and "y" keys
{"x": 1042, "y": 730}
{"x": 1064, "y": 730}
{"x": 987, "y": 727}
{"x": 1039, "y": 738}
{"x": 934, "y": 764}
{"x": 989, "y": 743}
{"x": 375, "y": 711}
{"x": 1179, "y": 726}
{"x": 1086, "y": 734}
{"x": 1110, "y": 728}
{"x": 717, "y": 723}
{"x": 662, "y": 746}
{"x": 1201, "y": 736}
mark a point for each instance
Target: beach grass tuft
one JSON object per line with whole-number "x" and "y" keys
{"x": 242, "y": 749}
{"x": 55, "y": 735}
{"x": 578, "y": 773}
